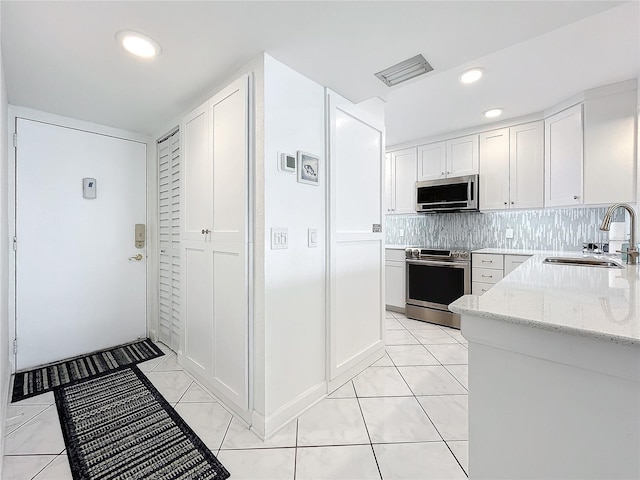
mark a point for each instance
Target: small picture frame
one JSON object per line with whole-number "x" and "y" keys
{"x": 308, "y": 168}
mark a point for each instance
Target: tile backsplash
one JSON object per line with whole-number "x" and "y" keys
{"x": 548, "y": 229}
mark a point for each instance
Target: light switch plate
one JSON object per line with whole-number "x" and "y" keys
{"x": 509, "y": 233}
{"x": 313, "y": 237}
{"x": 279, "y": 238}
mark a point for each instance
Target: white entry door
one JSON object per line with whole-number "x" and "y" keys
{"x": 356, "y": 259}
{"x": 77, "y": 289}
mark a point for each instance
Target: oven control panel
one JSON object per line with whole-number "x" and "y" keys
{"x": 441, "y": 254}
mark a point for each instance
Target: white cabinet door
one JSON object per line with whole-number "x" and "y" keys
{"x": 563, "y": 158}
{"x": 432, "y": 161}
{"x": 395, "y": 284}
{"x": 462, "y": 156}
{"x": 609, "y": 149}
{"x": 526, "y": 166}
{"x": 511, "y": 262}
{"x": 494, "y": 169}
{"x": 404, "y": 173}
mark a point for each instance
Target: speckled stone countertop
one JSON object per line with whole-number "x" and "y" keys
{"x": 601, "y": 303}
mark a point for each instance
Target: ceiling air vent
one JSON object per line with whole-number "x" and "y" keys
{"x": 404, "y": 71}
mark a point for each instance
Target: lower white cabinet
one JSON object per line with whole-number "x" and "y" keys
{"x": 511, "y": 262}
{"x": 487, "y": 269}
{"x": 395, "y": 279}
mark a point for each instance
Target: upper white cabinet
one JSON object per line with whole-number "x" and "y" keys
{"x": 511, "y": 167}
{"x": 605, "y": 171}
{"x": 494, "y": 169}
{"x": 462, "y": 156}
{"x": 432, "y": 161}
{"x": 452, "y": 158}
{"x": 526, "y": 165}
{"x": 563, "y": 158}
{"x": 401, "y": 171}
{"x": 609, "y": 148}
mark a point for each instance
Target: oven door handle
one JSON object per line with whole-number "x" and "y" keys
{"x": 437, "y": 263}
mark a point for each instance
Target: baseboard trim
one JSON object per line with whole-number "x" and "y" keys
{"x": 393, "y": 308}
{"x": 265, "y": 427}
{"x": 372, "y": 357}
{"x": 237, "y": 412}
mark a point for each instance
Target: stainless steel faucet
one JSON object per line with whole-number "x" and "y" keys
{"x": 632, "y": 253}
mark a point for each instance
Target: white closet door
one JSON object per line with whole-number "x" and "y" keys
{"x": 215, "y": 243}
{"x": 169, "y": 238}
{"x": 356, "y": 256}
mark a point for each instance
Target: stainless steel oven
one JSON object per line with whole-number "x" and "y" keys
{"x": 435, "y": 278}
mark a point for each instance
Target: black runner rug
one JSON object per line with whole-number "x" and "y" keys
{"x": 118, "y": 427}
{"x": 48, "y": 377}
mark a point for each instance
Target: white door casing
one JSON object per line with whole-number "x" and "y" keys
{"x": 77, "y": 291}
{"x": 356, "y": 253}
{"x": 215, "y": 243}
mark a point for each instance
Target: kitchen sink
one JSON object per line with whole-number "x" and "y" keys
{"x": 584, "y": 262}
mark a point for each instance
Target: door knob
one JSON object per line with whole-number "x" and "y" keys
{"x": 137, "y": 257}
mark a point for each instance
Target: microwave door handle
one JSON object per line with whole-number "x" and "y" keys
{"x": 469, "y": 190}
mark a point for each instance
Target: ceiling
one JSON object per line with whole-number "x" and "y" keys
{"x": 62, "y": 57}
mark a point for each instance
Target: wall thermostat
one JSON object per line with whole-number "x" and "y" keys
{"x": 287, "y": 163}
{"x": 89, "y": 188}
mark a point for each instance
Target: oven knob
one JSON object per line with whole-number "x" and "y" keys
{"x": 464, "y": 254}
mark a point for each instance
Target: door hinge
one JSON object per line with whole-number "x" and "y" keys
{"x": 15, "y": 140}
{"x": 15, "y": 244}
{"x": 15, "y": 346}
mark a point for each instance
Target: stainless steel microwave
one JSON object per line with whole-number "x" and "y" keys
{"x": 458, "y": 194}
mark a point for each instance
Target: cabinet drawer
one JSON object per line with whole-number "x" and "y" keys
{"x": 511, "y": 262}
{"x": 394, "y": 254}
{"x": 486, "y": 275}
{"x": 478, "y": 288}
{"x": 488, "y": 260}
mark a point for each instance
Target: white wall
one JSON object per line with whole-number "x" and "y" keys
{"x": 4, "y": 259}
{"x": 294, "y": 303}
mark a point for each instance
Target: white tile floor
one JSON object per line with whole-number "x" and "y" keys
{"x": 405, "y": 417}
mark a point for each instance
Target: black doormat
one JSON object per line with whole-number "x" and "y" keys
{"x": 48, "y": 377}
{"x": 118, "y": 427}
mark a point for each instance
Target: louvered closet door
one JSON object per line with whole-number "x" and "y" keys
{"x": 169, "y": 226}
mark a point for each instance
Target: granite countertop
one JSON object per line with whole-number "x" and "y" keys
{"x": 601, "y": 303}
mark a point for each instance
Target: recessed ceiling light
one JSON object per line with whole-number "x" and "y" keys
{"x": 493, "y": 113}
{"x": 472, "y": 75}
{"x": 138, "y": 44}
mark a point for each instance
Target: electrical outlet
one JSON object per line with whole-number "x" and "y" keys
{"x": 401, "y": 232}
{"x": 279, "y": 238}
{"x": 509, "y": 233}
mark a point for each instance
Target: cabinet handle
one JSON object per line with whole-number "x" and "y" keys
{"x": 442, "y": 173}
{"x": 575, "y": 197}
{"x": 487, "y": 261}
{"x": 487, "y": 276}
{"x": 448, "y": 173}
{"x": 204, "y": 232}
{"x": 512, "y": 202}
{"x": 505, "y": 203}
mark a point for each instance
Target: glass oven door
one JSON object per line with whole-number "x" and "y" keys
{"x": 435, "y": 284}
